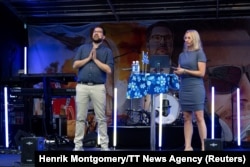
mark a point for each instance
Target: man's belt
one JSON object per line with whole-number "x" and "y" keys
{"x": 89, "y": 83}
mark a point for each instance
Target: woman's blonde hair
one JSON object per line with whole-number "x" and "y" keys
{"x": 196, "y": 40}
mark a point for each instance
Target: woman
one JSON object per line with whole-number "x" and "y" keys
{"x": 191, "y": 69}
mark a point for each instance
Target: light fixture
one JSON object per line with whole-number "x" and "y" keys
{"x": 212, "y": 112}
{"x": 6, "y": 117}
{"x": 115, "y": 119}
{"x": 160, "y": 122}
{"x": 238, "y": 117}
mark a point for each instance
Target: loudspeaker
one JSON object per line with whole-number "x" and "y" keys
{"x": 213, "y": 145}
{"x": 28, "y": 147}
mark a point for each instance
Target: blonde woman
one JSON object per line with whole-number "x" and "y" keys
{"x": 191, "y": 69}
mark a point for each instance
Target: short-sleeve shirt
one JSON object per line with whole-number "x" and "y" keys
{"x": 90, "y": 72}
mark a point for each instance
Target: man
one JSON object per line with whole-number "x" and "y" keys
{"x": 159, "y": 39}
{"x": 93, "y": 61}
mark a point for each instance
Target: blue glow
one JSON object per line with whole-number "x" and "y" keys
{"x": 6, "y": 117}
{"x": 25, "y": 60}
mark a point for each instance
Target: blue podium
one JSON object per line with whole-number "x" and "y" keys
{"x": 151, "y": 83}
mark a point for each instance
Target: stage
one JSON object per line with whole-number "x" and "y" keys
{"x": 12, "y": 157}
{"x": 129, "y": 138}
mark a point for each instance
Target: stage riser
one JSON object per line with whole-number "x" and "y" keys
{"x": 139, "y": 137}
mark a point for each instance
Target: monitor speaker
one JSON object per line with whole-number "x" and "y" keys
{"x": 213, "y": 145}
{"x": 28, "y": 147}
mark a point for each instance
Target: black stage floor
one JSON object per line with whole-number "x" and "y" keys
{"x": 129, "y": 138}
{"x": 12, "y": 157}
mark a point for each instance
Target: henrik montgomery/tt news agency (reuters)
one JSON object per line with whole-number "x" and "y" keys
{"x": 137, "y": 158}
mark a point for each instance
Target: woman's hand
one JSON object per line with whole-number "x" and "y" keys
{"x": 179, "y": 71}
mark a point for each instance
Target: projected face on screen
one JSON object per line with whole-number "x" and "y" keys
{"x": 228, "y": 69}
{"x": 160, "y": 41}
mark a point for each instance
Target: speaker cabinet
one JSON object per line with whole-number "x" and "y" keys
{"x": 28, "y": 147}
{"x": 213, "y": 145}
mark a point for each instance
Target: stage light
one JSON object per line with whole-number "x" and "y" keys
{"x": 160, "y": 122}
{"x": 25, "y": 54}
{"x": 6, "y": 117}
{"x": 115, "y": 119}
{"x": 238, "y": 117}
{"x": 212, "y": 112}
{"x": 25, "y": 60}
